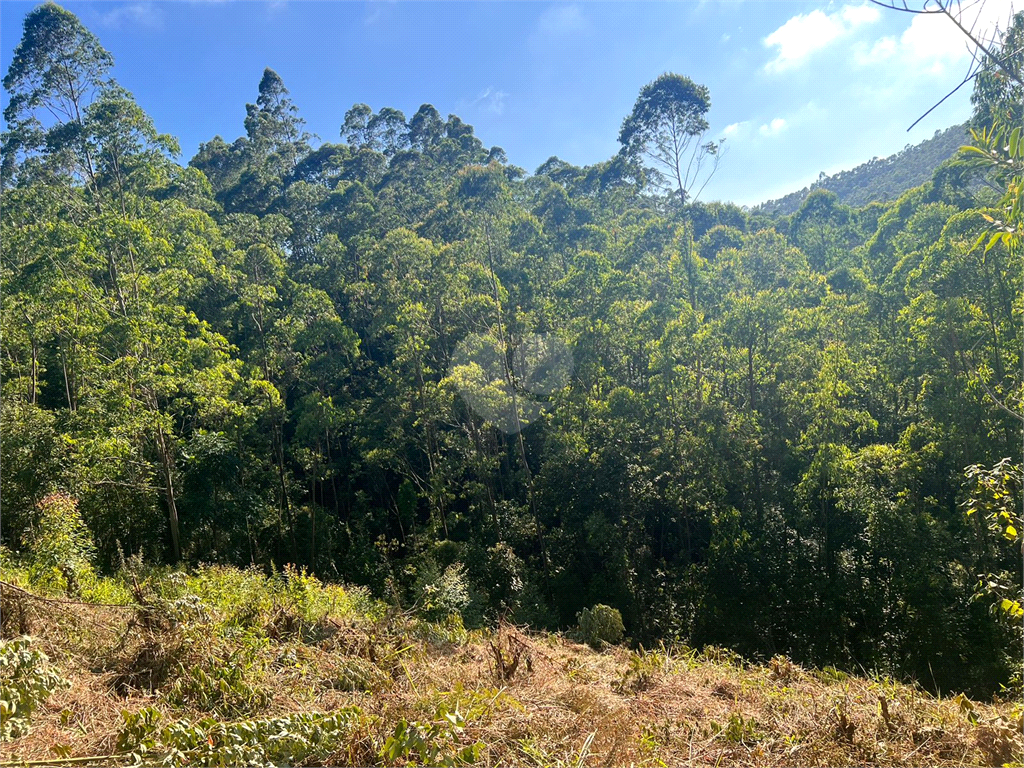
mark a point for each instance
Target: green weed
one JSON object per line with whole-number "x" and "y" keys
{"x": 26, "y": 681}
{"x": 435, "y": 743}
{"x": 738, "y": 729}
{"x": 279, "y": 741}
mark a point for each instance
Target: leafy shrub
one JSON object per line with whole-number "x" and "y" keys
{"x": 738, "y": 730}
{"x": 305, "y": 595}
{"x": 302, "y": 605}
{"x": 600, "y": 625}
{"x": 247, "y": 603}
{"x": 830, "y": 675}
{"x": 222, "y": 688}
{"x": 289, "y": 740}
{"x": 435, "y": 743}
{"x": 475, "y": 703}
{"x": 443, "y": 595}
{"x": 26, "y": 680}
{"x": 242, "y": 596}
{"x": 355, "y": 674}
{"x": 642, "y": 671}
{"x": 712, "y": 654}
{"x": 448, "y": 631}
{"x": 173, "y": 605}
{"x": 506, "y": 576}
{"x": 60, "y": 546}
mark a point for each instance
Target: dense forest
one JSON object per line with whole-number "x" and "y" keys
{"x": 882, "y": 179}
{"x": 400, "y": 361}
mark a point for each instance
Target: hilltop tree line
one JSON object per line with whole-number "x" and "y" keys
{"x": 881, "y": 179}
{"x": 253, "y": 359}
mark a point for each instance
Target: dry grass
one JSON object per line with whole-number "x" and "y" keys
{"x": 530, "y": 699}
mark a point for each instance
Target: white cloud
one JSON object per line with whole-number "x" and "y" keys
{"x": 143, "y": 14}
{"x": 492, "y": 100}
{"x": 934, "y": 39}
{"x": 726, "y": 37}
{"x": 865, "y": 54}
{"x": 804, "y": 34}
{"x": 883, "y": 49}
{"x": 799, "y": 37}
{"x": 930, "y": 38}
{"x": 731, "y": 130}
{"x": 855, "y": 15}
{"x": 560, "y": 19}
{"x": 932, "y": 43}
{"x": 774, "y": 128}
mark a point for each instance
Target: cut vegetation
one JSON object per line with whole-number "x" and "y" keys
{"x": 230, "y": 667}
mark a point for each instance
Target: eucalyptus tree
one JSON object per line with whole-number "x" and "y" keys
{"x": 273, "y": 125}
{"x": 59, "y": 68}
{"x": 667, "y": 127}
{"x": 425, "y": 128}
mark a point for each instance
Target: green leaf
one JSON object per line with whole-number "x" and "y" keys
{"x": 995, "y": 238}
{"x": 1012, "y": 607}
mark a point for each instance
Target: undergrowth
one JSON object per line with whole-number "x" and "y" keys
{"x": 221, "y": 666}
{"x": 292, "y": 739}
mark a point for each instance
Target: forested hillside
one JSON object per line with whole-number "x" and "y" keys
{"x": 880, "y": 179}
{"x": 400, "y": 362}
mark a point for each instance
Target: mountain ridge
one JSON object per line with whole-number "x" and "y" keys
{"x": 880, "y": 179}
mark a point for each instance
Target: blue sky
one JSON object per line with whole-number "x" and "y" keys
{"x": 796, "y": 87}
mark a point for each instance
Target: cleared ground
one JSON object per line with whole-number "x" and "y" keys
{"x": 222, "y": 666}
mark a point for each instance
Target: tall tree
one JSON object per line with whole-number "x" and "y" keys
{"x": 667, "y": 126}
{"x": 58, "y": 69}
{"x": 273, "y": 125}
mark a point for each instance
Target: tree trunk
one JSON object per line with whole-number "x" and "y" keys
{"x": 167, "y": 465}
